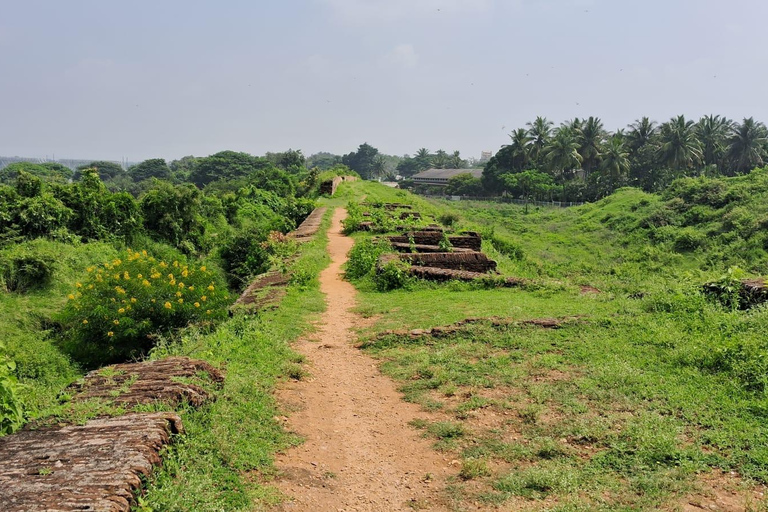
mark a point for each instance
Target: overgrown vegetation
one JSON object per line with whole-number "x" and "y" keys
{"x": 648, "y": 387}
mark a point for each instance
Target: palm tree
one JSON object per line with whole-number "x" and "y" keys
{"x": 748, "y": 146}
{"x": 455, "y": 160}
{"x": 423, "y": 159}
{"x": 379, "y": 167}
{"x": 520, "y": 149}
{"x": 562, "y": 151}
{"x": 713, "y": 132}
{"x": 680, "y": 148}
{"x": 440, "y": 160}
{"x": 615, "y": 163}
{"x": 540, "y": 131}
{"x": 590, "y": 136}
{"x": 640, "y": 133}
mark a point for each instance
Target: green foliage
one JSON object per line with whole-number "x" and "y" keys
{"x": 448, "y": 219}
{"x": 507, "y": 247}
{"x": 464, "y": 185}
{"x": 105, "y": 170}
{"x": 226, "y": 165}
{"x": 244, "y": 256}
{"x": 24, "y": 268}
{"x": 152, "y": 168}
{"x": 362, "y": 161}
{"x": 171, "y": 212}
{"x": 99, "y": 214}
{"x": 392, "y": 275}
{"x": 363, "y": 256}
{"x": 11, "y": 410}
{"x": 49, "y": 172}
{"x": 118, "y": 311}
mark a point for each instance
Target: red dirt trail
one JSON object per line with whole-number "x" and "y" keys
{"x": 360, "y": 454}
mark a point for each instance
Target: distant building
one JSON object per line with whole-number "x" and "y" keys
{"x": 485, "y": 156}
{"x": 441, "y": 176}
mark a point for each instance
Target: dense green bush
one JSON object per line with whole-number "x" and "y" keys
{"x": 23, "y": 268}
{"x": 243, "y": 256}
{"x": 392, "y": 275}
{"x": 117, "y": 312}
{"x": 171, "y": 212}
{"x": 507, "y": 247}
{"x": 363, "y": 257}
{"x": 11, "y": 411}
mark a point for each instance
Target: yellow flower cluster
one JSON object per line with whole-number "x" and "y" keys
{"x": 155, "y": 289}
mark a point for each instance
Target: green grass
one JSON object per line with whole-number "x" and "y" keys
{"x": 622, "y": 410}
{"x": 224, "y": 462}
{"x": 43, "y": 369}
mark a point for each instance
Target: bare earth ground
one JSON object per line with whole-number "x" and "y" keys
{"x": 360, "y": 453}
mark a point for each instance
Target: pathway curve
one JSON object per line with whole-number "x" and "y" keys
{"x": 360, "y": 454}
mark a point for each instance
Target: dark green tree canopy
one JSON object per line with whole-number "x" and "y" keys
{"x": 48, "y": 171}
{"x": 106, "y": 170}
{"x": 226, "y": 165}
{"x": 152, "y": 168}
{"x": 362, "y": 161}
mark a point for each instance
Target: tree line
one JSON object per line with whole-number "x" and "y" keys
{"x": 582, "y": 161}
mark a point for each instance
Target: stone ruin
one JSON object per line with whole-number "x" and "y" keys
{"x": 96, "y": 466}
{"x": 99, "y": 465}
{"x": 471, "y": 240}
{"x": 310, "y": 226}
{"x": 329, "y": 187}
{"x": 168, "y": 380}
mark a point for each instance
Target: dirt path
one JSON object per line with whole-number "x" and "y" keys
{"x": 360, "y": 453}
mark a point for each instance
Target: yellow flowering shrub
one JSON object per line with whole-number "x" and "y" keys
{"x": 116, "y": 313}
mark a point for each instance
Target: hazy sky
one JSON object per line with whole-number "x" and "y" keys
{"x": 168, "y": 78}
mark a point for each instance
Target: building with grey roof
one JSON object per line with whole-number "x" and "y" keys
{"x": 441, "y": 176}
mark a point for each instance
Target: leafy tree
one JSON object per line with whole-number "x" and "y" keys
{"x": 501, "y": 163}
{"x": 49, "y": 171}
{"x": 680, "y": 147}
{"x": 323, "y": 161}
{"x": 273, "y": 179}
{"x": 528, "y": 184}
{"x": 106, "y": 170}
{"x": 291, "y": 160}
{"x": 152, "y": 168}
{"x": 98, "y": 213}
{"x": 171, "y": 212}
{"x": 748, "y": 146}
{"x": 183, "y": 168}
{"x": 226, "y": 165}
{"x": 362, "y": 160}
{"x": 408, "y": 166}
{"x": 464, "y": 185}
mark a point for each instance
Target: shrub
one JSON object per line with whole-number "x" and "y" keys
{"x": 243, "y": 256}
{"x": 118, "y": 311}
{"x": 24, "y": 268}
{"x": 689, "y": 239}
{"x": 507, "y": 247}
{"x": 392, "y": 276}
{"x": 11, "y": 411}
{"x": 363, "y": 257}
{"x": 448, "y": 219}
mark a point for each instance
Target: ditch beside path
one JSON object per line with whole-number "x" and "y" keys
{"x": 359, "y": 453}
